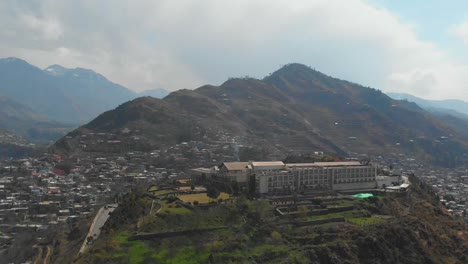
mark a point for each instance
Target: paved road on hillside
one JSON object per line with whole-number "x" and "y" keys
{"x": 98, "y": 222}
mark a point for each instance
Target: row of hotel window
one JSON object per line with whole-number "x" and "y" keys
{"x": 319, "y": 182}
{"x": 348, "y": 170}
{"x": 280, "y": 184}
{"x": 321, "y": 177}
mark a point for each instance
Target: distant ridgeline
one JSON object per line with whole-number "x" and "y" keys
{"x": 43, "y": 105}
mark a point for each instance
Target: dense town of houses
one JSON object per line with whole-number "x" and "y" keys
{"x": 37, "y": 194}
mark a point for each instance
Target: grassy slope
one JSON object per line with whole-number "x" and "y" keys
{"x": 418, "y": 231}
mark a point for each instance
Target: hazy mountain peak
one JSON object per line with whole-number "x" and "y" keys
{"x": 11, "y": 60}
{"x": 58, "y": 70}
{"x": 16, "y": 63}
{"x": 77, "y": 94}
{"x": 55, "y": 70}
{"x": 295, "y": 68}
{"x": 295, "y": 72}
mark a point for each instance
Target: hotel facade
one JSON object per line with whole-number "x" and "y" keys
{"x": 273, "y": 177}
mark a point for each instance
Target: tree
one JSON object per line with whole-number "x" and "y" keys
{"x": 212, "y": 192}
{"x": 252, "y": 186}
{"x": 302, "y": 211}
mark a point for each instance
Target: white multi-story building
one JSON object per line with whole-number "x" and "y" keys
{"x": 276, "y": 176}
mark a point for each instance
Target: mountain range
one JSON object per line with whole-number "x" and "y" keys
{"x": 25, "y": 122}
{"x": 457, "y": 108}
{"x": 293, "y": 109}
{"x": 61, "y": 94}
{"x": 34, "y": 99}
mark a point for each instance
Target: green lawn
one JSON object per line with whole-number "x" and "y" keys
{"x": 172, "y": 209}
{"x": 134, "y": 251}
{"x": 163, "y": 192}
{"x": 201, "y": 198}
{"x": 153, "y": 189}
{"x": 329, "y": 216}
{"x": 341, "y": 203}
{"x": 365, "y": 220}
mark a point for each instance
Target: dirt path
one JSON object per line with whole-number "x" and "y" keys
{"x": 49, "y": 253}
{"x": 39, "y": 256}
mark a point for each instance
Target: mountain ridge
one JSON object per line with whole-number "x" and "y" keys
{"x": 455, "y": 105}
{"x": 66, "y": 95}
{"x": 293, "y": 109}
{"x": 156, "y": 93}
{"x": 25, "y": 122}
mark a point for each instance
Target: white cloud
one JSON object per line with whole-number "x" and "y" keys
{"x": 460, "y": 31}
{"x": 47, "y": 29}
{"x": 185, "y": 44}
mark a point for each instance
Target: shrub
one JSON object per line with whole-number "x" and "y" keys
{"x": 276, "y": 235}
{"x": 316, "y": 201}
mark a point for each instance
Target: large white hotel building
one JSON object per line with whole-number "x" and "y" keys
{"x": 275, "y": 176}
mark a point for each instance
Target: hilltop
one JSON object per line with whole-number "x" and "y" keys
{"x": 294, "y": 109}
{"x": 387, "y": 228}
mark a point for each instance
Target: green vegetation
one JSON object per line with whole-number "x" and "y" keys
{"x": 365, "y": 220}
{"x": 163, "y": 192}
{"x": 168, "y": 208}
{"x": 202, "y": 198}
{"x": 376, "y": 230}
{"x": 133, "y": 252}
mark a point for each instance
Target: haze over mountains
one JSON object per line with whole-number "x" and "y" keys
{"x": 55, "y": 97}
{"x": 294, "y": 109}
{"x": 25, "y": 122}
{"x": 453, "y": 107}
{"x": 61, "y": 94}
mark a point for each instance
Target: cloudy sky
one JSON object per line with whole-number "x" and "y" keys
{"x": 417, "y": 46}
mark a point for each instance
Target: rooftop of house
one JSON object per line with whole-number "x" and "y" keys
{"x": 235, "y": 165}
{"x": 267, "y": 164}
